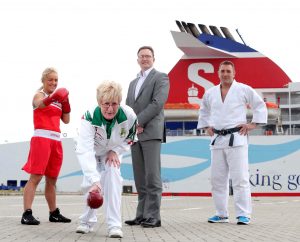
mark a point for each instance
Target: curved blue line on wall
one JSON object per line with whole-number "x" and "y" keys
{"x": 196, "y": 148}
{"x": 176, "y": 174}
{"x": 263, "y": 153}
{"x": 170, "y": 174}
{"x": 199, "y": 148}
{"x": 75, "y": 173}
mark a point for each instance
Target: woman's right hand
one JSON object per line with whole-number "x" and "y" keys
{"x": 96, "y": 187}
{"x": 58, "y": 95}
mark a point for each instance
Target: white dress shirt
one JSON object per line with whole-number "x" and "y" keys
{"x": 142, "y": 77}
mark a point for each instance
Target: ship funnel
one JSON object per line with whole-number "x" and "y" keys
{"x": 204, "y": 29}
{"x": 215, "y": 31}
{"x": 194, "y": 29}
{"x": 227, "y": 33}
{"x": 186, "y": 27}
{"x": 180, "y": 26}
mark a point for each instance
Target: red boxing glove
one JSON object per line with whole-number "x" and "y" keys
{"x": 59, "y": 95}
{"x": 65, "y": 106}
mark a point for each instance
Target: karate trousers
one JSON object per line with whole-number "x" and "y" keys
{"x": 231, "y": 162}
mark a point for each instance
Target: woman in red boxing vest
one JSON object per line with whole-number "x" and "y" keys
{"x": 50, "y": 105}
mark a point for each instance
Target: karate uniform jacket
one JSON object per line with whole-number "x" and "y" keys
{"x": 232, "y": 112}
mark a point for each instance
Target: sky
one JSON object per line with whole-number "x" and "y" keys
{"x": 89, "y": 41}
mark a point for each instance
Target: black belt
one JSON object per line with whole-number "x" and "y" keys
{"x": 224, "y": 132}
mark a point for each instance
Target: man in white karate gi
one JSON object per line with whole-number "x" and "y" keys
{"x": 223, "y": 115}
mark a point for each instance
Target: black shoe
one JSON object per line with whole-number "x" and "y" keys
{"x": 151, "y": 223}
{"x": 56, "y": 217}
{"x": 136, "y": 221}
{"x": 28, "y": 219}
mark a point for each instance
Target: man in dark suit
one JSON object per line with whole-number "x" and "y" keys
{"x": 147, "y": 95}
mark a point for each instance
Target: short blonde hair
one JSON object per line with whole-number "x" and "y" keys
{"x": 109, "y": 91}
{"x": 46, "y": 72}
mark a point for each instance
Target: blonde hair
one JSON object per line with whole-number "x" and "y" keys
{"x": 109, "y": 91}
{"x": 45, "y": 73}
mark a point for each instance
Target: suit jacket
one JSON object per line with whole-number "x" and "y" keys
{"x": 149, "y": 104}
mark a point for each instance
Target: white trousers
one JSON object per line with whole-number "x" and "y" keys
{"x": 111, "y": 183}
{"x": 231, "y": 161}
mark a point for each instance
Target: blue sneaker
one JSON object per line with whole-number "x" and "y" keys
{"x": 218, "y": 219}
{"x": 242, "y": 220}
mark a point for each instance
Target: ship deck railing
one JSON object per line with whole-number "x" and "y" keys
{"x": 287, "y": 130}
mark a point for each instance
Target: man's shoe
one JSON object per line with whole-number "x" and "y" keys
{"x": 28, "y": 219}
{"x": 115, "y": 232}
{"x": 242, "y": 220}
{"x": 218, "y": 219}
{"x": 84, "y": 229}
{"x": 151, "y": 223}
{"x": 136, "y": 221}
{"x": 56, "y": 217}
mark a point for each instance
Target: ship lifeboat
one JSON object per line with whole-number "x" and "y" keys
{"x": 273, "y": 111}
{"x": 190, "y": 112}
{"x": 181, "y": 111}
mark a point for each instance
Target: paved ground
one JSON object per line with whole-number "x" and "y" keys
{"x": 183, "y": 219}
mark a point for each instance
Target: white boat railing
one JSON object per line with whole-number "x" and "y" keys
{"x": 259, "y": 131}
